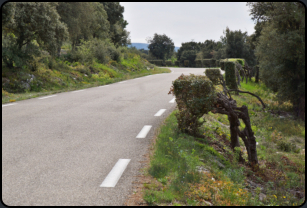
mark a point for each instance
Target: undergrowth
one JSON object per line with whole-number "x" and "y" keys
{"x": 59, "y": 75}
{"x": 204, "y": 171}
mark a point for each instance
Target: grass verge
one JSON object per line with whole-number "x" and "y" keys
{"x": 205, "y": 171}
{"x": 62, "y": 76}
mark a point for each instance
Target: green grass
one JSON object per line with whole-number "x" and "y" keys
{"x": 281, "y": 164}
{"x": 55, "y": 76}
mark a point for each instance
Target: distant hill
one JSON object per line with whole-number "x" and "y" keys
{"x": 144, "y": 46}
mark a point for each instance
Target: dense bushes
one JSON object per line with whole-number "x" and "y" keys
{"x": 186, "y": 63}
{"x": 230, "y": 75}
{"x": 209, "y": 63}
{"x": 213, "y": 75}
{"x": 169, "y": 63}
{"x": 157, "y": 62}
{"x": 222, "y": 65}
{"x": 100, "y": 50}
{"x": 198, "y": 63}
{"x": 195, "y": 95}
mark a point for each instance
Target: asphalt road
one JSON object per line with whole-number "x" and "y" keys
{"x": 59, "y": 150}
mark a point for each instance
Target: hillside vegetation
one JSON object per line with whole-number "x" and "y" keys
{"x": 54, "y": 75}
{"x": 191, "y": 170}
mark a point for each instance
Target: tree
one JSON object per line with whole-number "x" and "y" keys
{"x": 196, "y": 96}
{"x": 253, "y": 41}
{"x": 281, "y": 50}
{"x": 32, "y": 21}
{"x": 161, "y": 46}
{"x": 118, "y": 34}
{"x": 188, "y": 46}
{"x": 237, "y": 47}
{"x": 189, "y": 55}
{"x": 84, "y": 20}
{"x": 209, "y": 47}
{"x": 8, "y": 11}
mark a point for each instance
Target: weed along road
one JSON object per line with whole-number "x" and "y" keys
{"x": 82, "y": 147}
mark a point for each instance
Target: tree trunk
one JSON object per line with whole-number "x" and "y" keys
{"x": 257, "y": 75}
{"x": 247, "y": 135}
{"x": 59, "y": 52}
{"x": 301, "y": 108}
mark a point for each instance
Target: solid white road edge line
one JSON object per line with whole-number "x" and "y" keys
{"x": 8, "y": 104}
{"x": 47, "y": 97}
{"x": 122, "y": 82}
{"x": 144, "y": 131}
{"x": 172, "y": 101}
{"x": 160, "y": 112}
{"x": 78, "y": 91}
{"x": 104, "y": 86}
{"x": 116, "y": 172}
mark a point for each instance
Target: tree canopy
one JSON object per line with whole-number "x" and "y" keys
{"x": 26, "y": 22}
{"x": 281, "y": 49}
{"x": 161, "y": 46}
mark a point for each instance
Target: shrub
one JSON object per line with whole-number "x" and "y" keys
{"x": 222, "y": 65}
{"x": 168, "y": 63}
{"x": 198, "y": 63}
{"x": 217, "y": 63}
{"x": 240, "y": 61}
{"x": 286, "y": 146}
{"x": 213, "y": 75}
{"x": 230, "y": 75}
{"x": 157, "y": 62}
{"x": 209, "y": 62}
{"x": 186, "y": 63}
{"x": 195, "y": 95}
{"x": 176, "y": 63}
{"x": 101, "y": 50}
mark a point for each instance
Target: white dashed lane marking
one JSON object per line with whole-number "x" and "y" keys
{"x": 160, "y": 112}
{"x": 144, "y": 131}
{"x": 173, "y": 100}
{"x": 47, "y": 97}
{"x": 78, "y": 91}
{"x": 8, "y": 104}
{"x": 115, "y": 174}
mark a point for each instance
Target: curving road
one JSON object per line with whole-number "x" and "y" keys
{"x": 81, "y": 147}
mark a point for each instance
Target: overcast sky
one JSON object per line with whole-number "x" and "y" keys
{"x": 184, "y": 21}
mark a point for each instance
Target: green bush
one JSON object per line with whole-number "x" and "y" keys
{"x": 240, "y": 61}
{"x": 158, "y": 62}
{"x": 177, "y": 63}
{"x": 101, "y": 50}
{"x": 217, "y": 63}
{"x": 195, "y": 95}
{"x": 186, "y": 63}
{"x": 214, "y": 75}
{"x": 287, "y": 146}
{"x": 169, "y": 63}
{"x": 209, "y": 62}
{"x": 198, "y": 63}
{"x": 222, "y": 65}
{"x": 230, "y": 75}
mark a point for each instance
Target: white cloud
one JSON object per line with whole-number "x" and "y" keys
{"x": 184, "y": 21}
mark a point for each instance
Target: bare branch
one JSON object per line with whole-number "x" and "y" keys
{"x": 263, "y": 105}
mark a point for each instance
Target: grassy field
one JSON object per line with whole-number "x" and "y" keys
{"x": 57, "y": 75}
{"x": 204, "y": 171}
